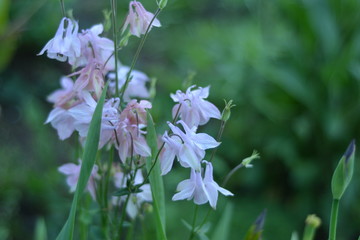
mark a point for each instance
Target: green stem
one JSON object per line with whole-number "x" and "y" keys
{"x": 122, "y": 217}
{"x": 221, "y": 130}
{"x": 63, "y": 8}
{"x": 137, "y": 55}
{"x": 333, "y": 219}
{"x": 309, "y": 233}
{"x": 192, "y": 234}
{"x": 113, "y": 8}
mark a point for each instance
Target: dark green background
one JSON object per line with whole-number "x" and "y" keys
{"x": 291, "y": 67}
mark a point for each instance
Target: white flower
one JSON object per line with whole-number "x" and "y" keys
{"x": 64, "y": 97}
{"x": 136, "y": 199}
{"x": 83, "y": 114}
{"x": 188, "y": 147}
{"x": 194, "y": 110}
{"x": 200, "y": 189}
{"x": 65, "y": 45}
{"x": 72, "y": 171}
{"x": 135, "y": 88}
{"x": 62, "y": 121}
{"x": 139, "y": 19}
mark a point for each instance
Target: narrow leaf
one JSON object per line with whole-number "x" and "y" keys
{"x": 88, "y": 161}
{"x": 40, "y": 230}
{"x": 223, "y": 227}
{"x": 156, "y": 181}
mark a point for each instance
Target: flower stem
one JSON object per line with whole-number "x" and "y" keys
{"x": 221, "y": 130}
{"x": 122, "y": 217}
{"x": 113, "y": 8}
{"x": 192, "y": 234}
{"x": 63, "y": 8}
{"x": 137, "y": 55}
{"x": 333, "y": 219}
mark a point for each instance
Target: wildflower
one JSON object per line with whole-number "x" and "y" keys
{"x": 62, "y": 97}
{"x": 202, "y": 190}
{"x": 62, "y": 121}
{"x": 72, "y": 171}
{"x": 136, "y": 199}
{"x": 83, "y": 113}
{"x": 139, "y": 19}
{"x": 65, "y": 45}
{"x": 194, "y": 110}
{"x": 129, "y": 130}
{"x": 135, "y": 88}
{"x": 96, "y": 49}
{"x": 188, "y": 147}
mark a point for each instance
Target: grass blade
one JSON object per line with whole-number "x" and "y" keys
{"x": 156, "y": 181}
{"x": 88, "y": 161}
{"x": 223, "y": 227}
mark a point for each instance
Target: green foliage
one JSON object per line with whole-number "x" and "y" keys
{"x": 88, "y": 161}
{"x": 222, "y": 230}
{"x": 40, "y": 230}
{"x": 156, "y": 182}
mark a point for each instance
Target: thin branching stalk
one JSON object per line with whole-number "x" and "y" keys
{"x": 123, "y": 89}
{"x": 192, "y": 234}
{"x": 122, "y": 217}
{"x": 113, "y": 9}
{"x": 221, "y": 130}
{"x": 63, "y": 8}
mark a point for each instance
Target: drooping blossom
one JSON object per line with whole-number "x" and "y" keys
{"x": 72, "y": 172}
{"x": 91, "y": 78}
{"x": 65, "y": 45}
{"x": 202, "y": 190}
{"x": 83, "y": 114}
{"x": 189, "y": 147}
{"x": 62, "y": 121}
{"x": 64, "y": 97}
{"x": 96, "y": 49}
{"x": 130, "y": 135}
{"x": 139, "y": 19}
{"x": 136, "y": 199}
{"x": 135, "y": 88}
{"x": 194, "y": 110}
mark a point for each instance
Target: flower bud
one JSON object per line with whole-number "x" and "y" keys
{"x": 313, "y": 221}
{"x": 247, "y": 161}
{"x": 225, "y": 115}
{"x": 162, "y": 3}
{"x": 343, "y": 172}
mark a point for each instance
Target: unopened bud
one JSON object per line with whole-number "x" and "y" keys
{"x": 226, "y": 113}
{"x": 343, "y": 172}
{"x": 152, "y": 90}
{"x": 313, "y": 221}
{"x": 162, "y": 3}
{"x": 247, "y": 161}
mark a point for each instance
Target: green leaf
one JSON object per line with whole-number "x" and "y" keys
{"x": 155, "y": 179}
{"x": 40, "y": 230}
{"x": 343, "y": 172}
{"x": 223, "y": 227}
{"x": 88, "y": 161}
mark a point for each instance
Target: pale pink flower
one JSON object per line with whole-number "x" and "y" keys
{"x": 129, "y": 133}
{"x": 62, "y": 121}
{"x": 135, "y": 88}
{"x": 202, "y": 190}
{"x": 90, "y": 78}
{"x": 136, "y": 199}
{"x": 189, "y": 147}
{"x": 96, "y": 48}
{"x": 139, "y": 19}
{"x": 83, "y": 114}
{"x": 66, "y": 96}
{"x": 194, "y": 110}
{"x": 65, "y": 45}
{"x": 72, "y": 171}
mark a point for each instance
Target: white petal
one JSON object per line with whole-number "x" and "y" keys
{"x": 187, "y": 155}
{"x": 205, "y": 141}
{"x": 166, "y": 160}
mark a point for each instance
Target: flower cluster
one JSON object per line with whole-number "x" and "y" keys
{"x": 123, "y": 122}
{"x": 189, "y": 147}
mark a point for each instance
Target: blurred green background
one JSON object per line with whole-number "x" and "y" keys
{"x": 291, "y": 67}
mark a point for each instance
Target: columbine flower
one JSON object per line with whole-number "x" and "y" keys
{"x": 65, "y": 44}
{"x": 188, "y": 147}
{"x": 136, "y": 199}
{"x": 96, "y": 48}
{"x": 194, "y": 110}
{"x": 62, "y": 121}
{"x": 135, "y": 88}
{"x": 83, "y": 113}
{"x": 139, "y": 19}
{"x": 72, "y": 171}
{"x": 129, "y": 130}
{"x": 65, "y": 96}
{"x": 200, "y": 189}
